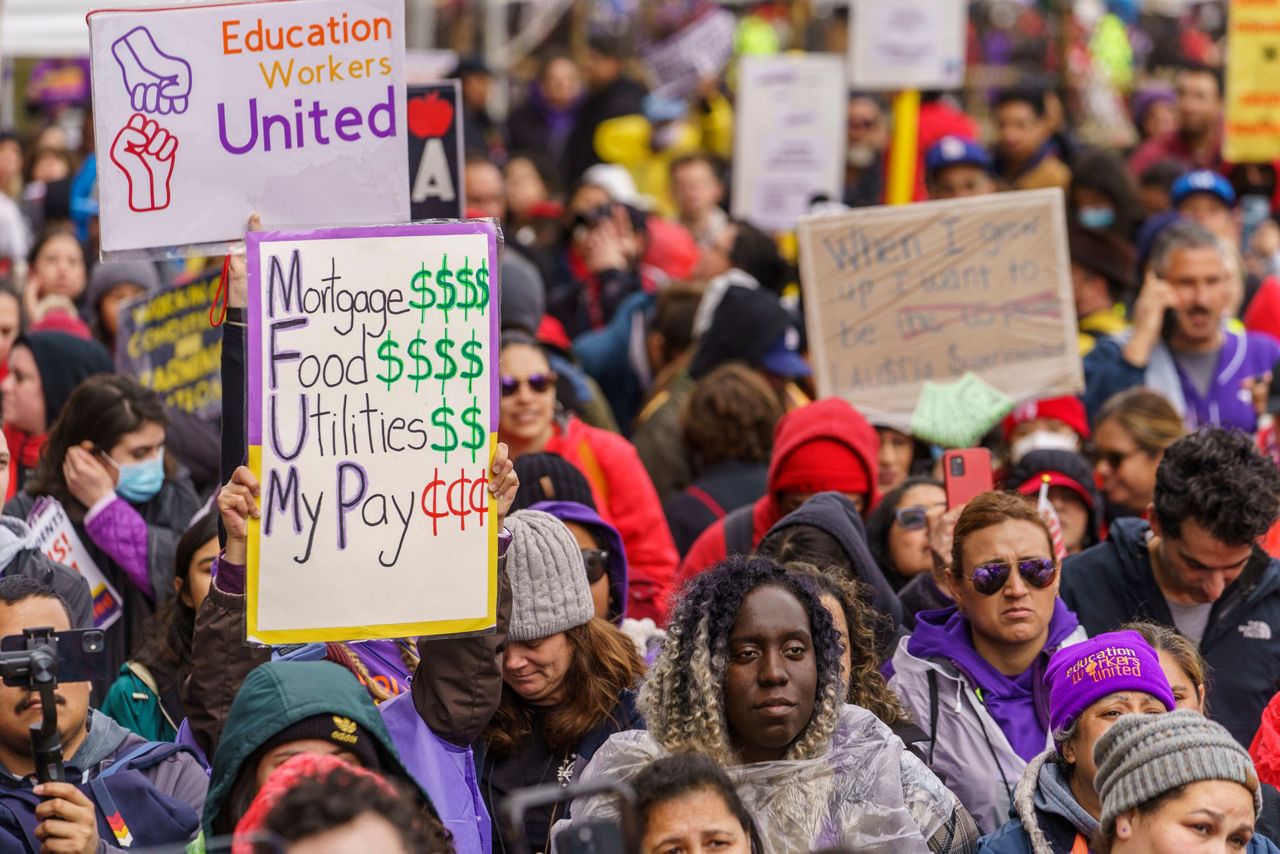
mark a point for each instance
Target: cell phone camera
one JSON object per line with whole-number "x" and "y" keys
{"x": 957, "y": 466}
{"x": 92, "y": 641}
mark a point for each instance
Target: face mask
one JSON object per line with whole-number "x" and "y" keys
{"x": 1097, "y": 217}
{"x": 139, "y": 482}
{"x": 861, "y": 156}
{"x": 1042, "y": 440}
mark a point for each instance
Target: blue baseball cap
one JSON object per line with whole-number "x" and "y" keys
{"x": 955, "y": 151}
{"x": 1203, "y": 181}
{"x": 783, "y": 359}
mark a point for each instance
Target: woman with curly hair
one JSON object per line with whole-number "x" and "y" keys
{"x": 751, "y": 677}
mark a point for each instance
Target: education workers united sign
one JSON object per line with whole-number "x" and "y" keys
{"x": 205, "y": 114}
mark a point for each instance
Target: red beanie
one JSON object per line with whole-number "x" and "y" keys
{"x": 1069, "y": 410}
{"x": 822, "y": 465}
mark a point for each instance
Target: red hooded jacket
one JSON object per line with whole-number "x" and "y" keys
{"x": 830, "y": 418}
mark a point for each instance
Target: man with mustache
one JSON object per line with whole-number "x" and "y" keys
{"x": 1181, "y": 345}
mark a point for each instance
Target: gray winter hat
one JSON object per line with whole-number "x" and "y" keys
{"x": 549, "y": 587}
{"x": 1143, "y": 756}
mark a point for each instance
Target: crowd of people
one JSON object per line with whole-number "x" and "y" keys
{"x": 732, "y": 615}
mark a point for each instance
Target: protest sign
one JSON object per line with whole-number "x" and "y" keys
{"x": 1252, "y": 127}
{"x": 908, "y": 44}
{"x": 53, "y": 535}
{"x": 899, "y": 296}
{"x": 167, "y": 343}
{"x": 435, "y": 151}
{"x": 698, "y": 51}
{"x": 789, "y": 137}
{"x": 372, "y": 411}
{"x": 204, "y": 114}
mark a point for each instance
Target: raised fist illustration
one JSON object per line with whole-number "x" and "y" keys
{"x": 144, "y": 151}
{"x": 156, "y": 81}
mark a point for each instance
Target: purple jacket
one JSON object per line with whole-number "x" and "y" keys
{"x": 571, "y": 511}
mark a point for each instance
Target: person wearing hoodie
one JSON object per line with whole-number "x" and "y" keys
{"x": 44, "y": 368}
{"x": 153, "y": 793}
{"x": 826, "y": 446}
{"x": 1196, "y": 565}
{"x": 1090, "y": 685}
{"x": 971, "y": 674}
{"x": 1071, "y": 491}
{"x": 826, "y": 531}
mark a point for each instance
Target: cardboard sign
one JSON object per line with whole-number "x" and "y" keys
{"x": 898, "y": 296}
{"x": 373, "y": 407}
{"x": 436, "y": 151}
{"x": 55, "y": 537}
{"x": 167, "y": 343}
{"x": 907, "y": 44}
{"x": 789, "y": 137}
{"x": 698, "y": 51}
{"x": 1252, "y": 127}
{"x": 204, "y": 114}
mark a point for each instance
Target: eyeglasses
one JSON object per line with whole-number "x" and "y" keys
{"x": 1113, "y": 459}
{"x": 912, "y": 518}
{"x": 538, "y": 383}
{"x": 597, "y": 563}
{"x": 990, "y": 578}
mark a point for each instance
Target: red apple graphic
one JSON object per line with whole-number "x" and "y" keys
{"x": 429, "y": 116}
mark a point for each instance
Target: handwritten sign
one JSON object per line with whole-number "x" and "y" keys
{"x": 899, "y": 296}
{"x": 1252, "y": 127}
{"x": 204, "y": 114}
{"x": 55, "y": 537}
{"x": 167, "y": 343}
{"x": 372, "y": 412}
{"x": 698, "y": 51}
{"x": 908, "y": 44}
{"x": 789, "y": 137}
{"x": 435, "y": 151}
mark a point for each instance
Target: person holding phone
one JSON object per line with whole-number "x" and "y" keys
{"x": 971, "y": 674}
{"x": 1181, "y": 344}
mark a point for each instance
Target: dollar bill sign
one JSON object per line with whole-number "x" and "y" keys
{"x": 475, "y": 367}
{"x": 421, "y": 364}
{"x": 471, "y": 419}
{"x": 447, "y": 368}
{"x": 448, "y": 293}
{"x": 424, "y": 298}
{"x": 394, "y": 365}
{"x": 482, "y": 286}
{"x": 440, "y": 418}
{"x": 467, "y": 291}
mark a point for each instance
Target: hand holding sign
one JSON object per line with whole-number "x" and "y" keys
{"x": 156, "y": 81}
{"x": 238, "y": 502}
{"x": 144, "y": 152}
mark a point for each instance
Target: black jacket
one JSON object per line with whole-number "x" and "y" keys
{"x": 1112, "y": 583}
{"x": 622, "y": 97}
{"x": 718, "y": 491}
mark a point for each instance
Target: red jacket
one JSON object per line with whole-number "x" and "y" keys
{"x": 830, "y": 418}
{"x": 1265, "y": 750}
{"x": 626, "y": 499}
{"x": 1263, "y": 314}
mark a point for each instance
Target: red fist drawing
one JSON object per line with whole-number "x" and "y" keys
{"x": 144, "y": 152}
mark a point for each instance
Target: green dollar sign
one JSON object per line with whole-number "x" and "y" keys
{"x": 421, "y": 364}
{"x": 448, "y": 293}
{"x": 468, "y": 294}
{"x": 471, "y": 418}
{"x": 394, "y": 366}
{"x": 475, "y": 367}
{"x": 440, "y": 418}
{"x": 448, "y": 368}
{"x": 425, "y": 298}
{"x": 482, "y": 285}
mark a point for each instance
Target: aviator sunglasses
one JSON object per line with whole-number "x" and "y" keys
{"x": 538, "y": 383}
{"x": 990, "y": 578}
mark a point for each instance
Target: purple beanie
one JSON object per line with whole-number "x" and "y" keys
{"x": 1082, "y": 674}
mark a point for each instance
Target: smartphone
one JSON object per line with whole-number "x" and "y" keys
{"x": 967, "y": 474}
{"x": 601, "y": 836}
{"x": 82, "y": 654}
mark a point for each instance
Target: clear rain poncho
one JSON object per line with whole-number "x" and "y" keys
{"x": 851, "y": 797}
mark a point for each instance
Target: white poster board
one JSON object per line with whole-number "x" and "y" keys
{"x": 373, "y": 408}
{"x": 55, "y": 537}
{"x": 789, "y": 137}
{"x": 907, "y": 44}
{"x": 205, "y": 114}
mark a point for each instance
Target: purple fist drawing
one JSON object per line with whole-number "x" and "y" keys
{"x": 156, "y": 81}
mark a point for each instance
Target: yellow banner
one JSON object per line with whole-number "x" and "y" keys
{"x": 1253, "y": 82}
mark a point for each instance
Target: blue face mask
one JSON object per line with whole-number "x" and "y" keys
{"x": 139, "y": 482}
{"x": 1097, "y": 217}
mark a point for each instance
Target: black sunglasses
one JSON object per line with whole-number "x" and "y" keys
{"x": 597, "y": 563}
{"x": 912, "y": 518}
{"x": 990, "y": 578}
{"x": 1113, "y": 459}
{"x": 539, "y": 383}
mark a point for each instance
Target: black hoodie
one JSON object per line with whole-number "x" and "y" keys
{"x": 1112, "y": 583}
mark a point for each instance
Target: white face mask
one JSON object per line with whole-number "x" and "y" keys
{"x": 1042, "y": 440}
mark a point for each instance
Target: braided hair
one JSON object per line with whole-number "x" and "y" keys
{"x": 683, "y": 697}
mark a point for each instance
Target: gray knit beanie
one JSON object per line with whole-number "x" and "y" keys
{"x": 549, "y": 587}
{"x": 1143, "y": 756}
